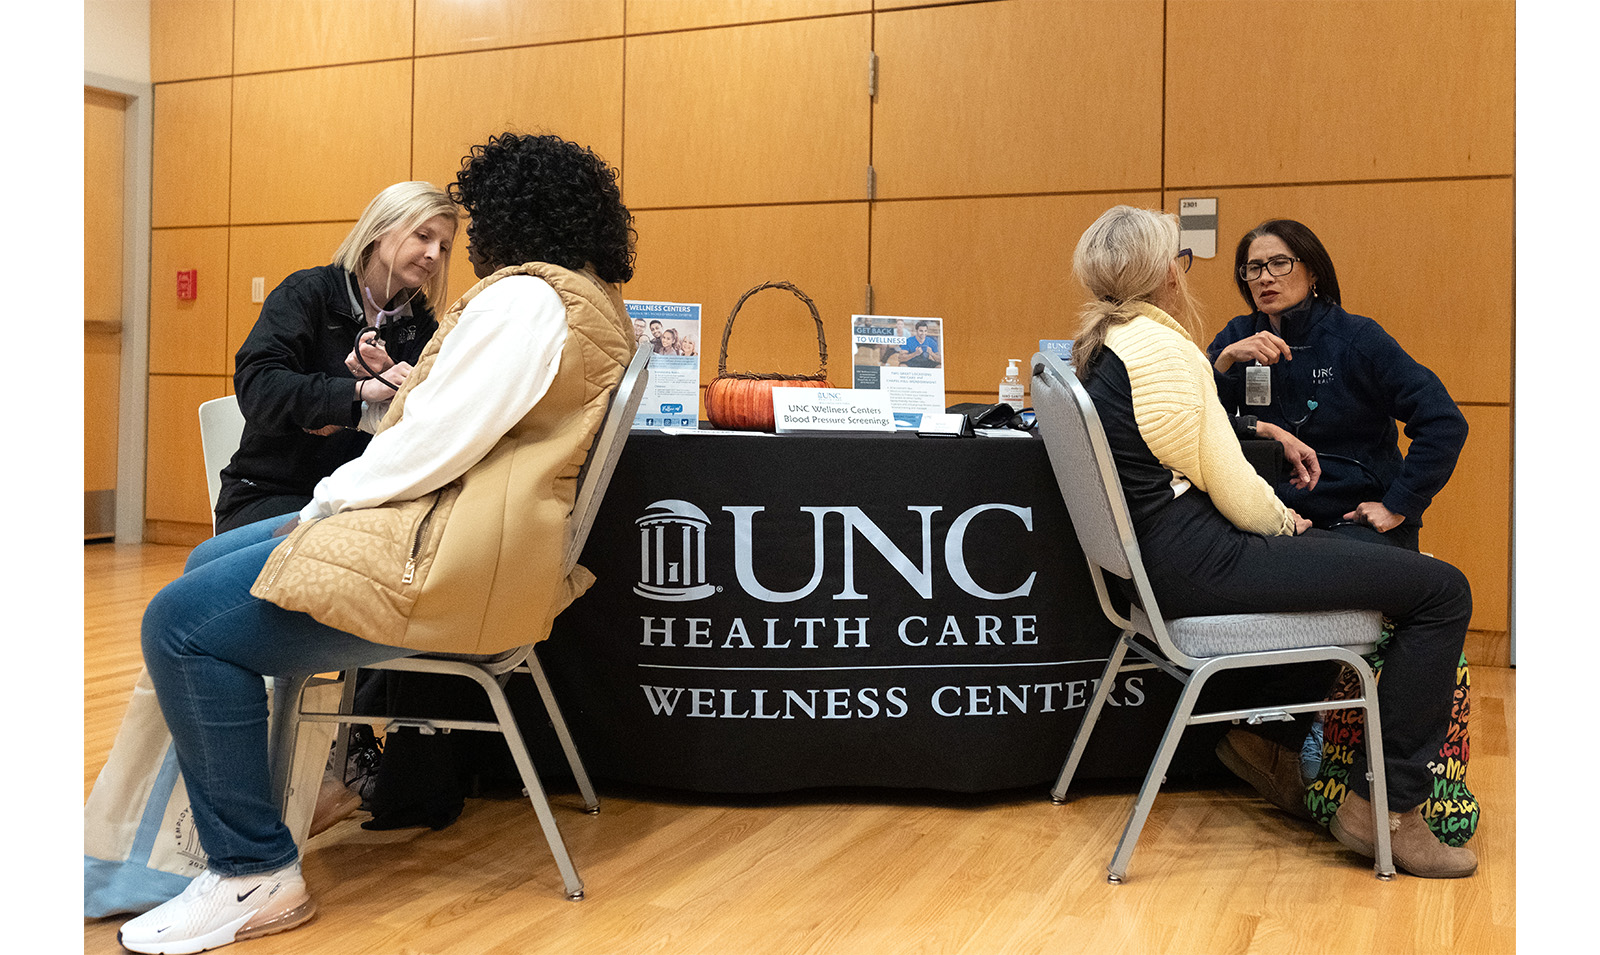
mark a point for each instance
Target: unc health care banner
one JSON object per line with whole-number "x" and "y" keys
{"x": 774, "y": 613}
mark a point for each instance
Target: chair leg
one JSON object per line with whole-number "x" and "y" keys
{"x": 591, "y": 802}
{"x": 283, "y": 733}
{"x": 1382, "y": 856}
{"x": 1080, "y": 740}
{"x": 530, "y": 779}
{"x": 1117, "y": 871}
{"x": 341, "y": 737}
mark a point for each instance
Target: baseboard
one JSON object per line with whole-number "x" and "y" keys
{"x": 1490, "y": 648}
{"x": 176, "y": 532}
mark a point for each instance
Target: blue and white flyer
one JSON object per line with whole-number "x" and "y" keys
{"x": 902, "y": 356}
{"x": 672, "y": 395}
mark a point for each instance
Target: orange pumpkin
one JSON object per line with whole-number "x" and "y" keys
{"x": 745, "y": 404}
{"x": 742, "y": 401}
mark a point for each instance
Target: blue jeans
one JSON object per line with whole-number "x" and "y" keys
{"x": 207, "y": 645}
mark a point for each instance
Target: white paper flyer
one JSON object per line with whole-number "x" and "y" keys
{"x": 672, "y": 396}
{"x": 902, "y": 356}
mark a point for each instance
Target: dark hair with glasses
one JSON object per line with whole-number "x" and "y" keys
{"x": 1305, "y": 246}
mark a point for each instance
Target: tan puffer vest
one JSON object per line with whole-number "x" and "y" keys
{"x": 476, "y": 566}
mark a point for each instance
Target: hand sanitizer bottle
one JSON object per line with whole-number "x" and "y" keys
{"x": 1011, "y": 391}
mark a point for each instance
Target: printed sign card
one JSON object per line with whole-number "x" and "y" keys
{"x": 827, "y": 409}
{"x": 672, "y": 396}
{"x": 1197, "y": 227}
{"x": 1057, "y": 346}
{"x": 903, "y": 357}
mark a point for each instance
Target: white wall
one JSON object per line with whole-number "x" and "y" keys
{"x": 116, "y": 38}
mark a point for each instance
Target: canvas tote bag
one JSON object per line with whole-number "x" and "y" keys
{"x": 139, "y": 843}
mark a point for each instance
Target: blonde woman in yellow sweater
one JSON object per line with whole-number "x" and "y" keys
{"x": 1216, "y": 539}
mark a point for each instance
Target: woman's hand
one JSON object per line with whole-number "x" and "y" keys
{"x": 1301, "y": 525}
{"x": 1264, "y": 347}
{"x": 371, "y": 390}
{"x": 1302, "y": 460}
{"x": 1375, "y": 516}
{"x": 373, "y": 354}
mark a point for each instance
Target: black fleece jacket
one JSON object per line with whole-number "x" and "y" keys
{"x": 291, "y": 379}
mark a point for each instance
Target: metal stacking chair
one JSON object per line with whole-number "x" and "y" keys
{"x": 1189, "y": 649}
{"x": 489, "y": 672}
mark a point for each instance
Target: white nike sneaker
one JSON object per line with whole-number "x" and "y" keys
{"x": 216, "y": 910}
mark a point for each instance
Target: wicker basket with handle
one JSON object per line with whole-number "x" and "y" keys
{"x": 742, "y": 400}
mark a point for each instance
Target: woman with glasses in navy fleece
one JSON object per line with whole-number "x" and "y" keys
{"x": 1331, "y": 386}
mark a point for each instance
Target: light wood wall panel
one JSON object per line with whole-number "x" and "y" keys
{"x": 748, "y": 129}
{"x": 1429, "y": 261}
{"x": 104, "y": 129}
{"x": 191, "y": 142}
{"x": 649, "y": 16}
{"x": 461, "y": 275}
{"x": 451, "y": 26}
{"x": 290, "y": 34}
{"x": 1318, "y": 90}
{"x": 189, "y": 337}
{"x": 1469, "y": 522}
{"x": 271, "y": 252}
{"x": 571, "y": 89}
{"x": 190, "y": 39}
{"x": 749, "y": 114}
{"x": 175, "y": 479}
{"x": 998, "y": 271}
{"x": 102, "y": 376}
{"x": 317, "y": 145}
{"x": 1018, "y": 96}
{"x": 713, "y": 256}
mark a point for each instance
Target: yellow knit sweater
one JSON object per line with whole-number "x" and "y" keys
{"x": 1173, "y": 389}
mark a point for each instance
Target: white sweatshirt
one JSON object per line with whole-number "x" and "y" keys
{"x": 492, "y": 368}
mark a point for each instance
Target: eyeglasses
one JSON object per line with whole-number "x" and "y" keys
{"x": 1186, "y": 256}
{"x": 1279, "y": 265}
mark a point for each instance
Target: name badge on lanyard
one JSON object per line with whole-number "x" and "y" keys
{"x": 1258, "y": 385}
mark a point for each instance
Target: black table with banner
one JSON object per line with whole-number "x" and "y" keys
{"x": 784, "y": 612}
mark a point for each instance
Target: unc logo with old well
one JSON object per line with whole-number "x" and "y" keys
{"x": 672, "y": 552}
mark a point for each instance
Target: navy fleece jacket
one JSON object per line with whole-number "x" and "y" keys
{"x": 1348, "y": 383}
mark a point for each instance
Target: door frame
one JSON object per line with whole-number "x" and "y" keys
{"x": 134, "y": 386}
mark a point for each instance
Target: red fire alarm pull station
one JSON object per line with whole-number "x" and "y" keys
{"x": 188, "y": 283}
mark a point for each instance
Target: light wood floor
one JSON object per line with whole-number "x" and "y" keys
{"x": 862, "y": 873}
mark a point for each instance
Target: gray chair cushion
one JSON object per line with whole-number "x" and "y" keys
{"x": 1256, "y": 632}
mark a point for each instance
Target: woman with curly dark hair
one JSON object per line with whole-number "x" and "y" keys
{"x": 582, "y": 221}
{"x": 446, "y": 534}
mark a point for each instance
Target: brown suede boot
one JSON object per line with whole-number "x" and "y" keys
{"x": 1414, "y": 846}
{"x": 1273, "y": 770}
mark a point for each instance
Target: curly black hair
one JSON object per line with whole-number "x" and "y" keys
{"x": 540, "y": 198}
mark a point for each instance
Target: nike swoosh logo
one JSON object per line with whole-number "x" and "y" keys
{"x": 248, "y": 894}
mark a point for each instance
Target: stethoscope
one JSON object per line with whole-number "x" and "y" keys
{"x": 1295, "y": 425}
{"x": 375, "y": 329}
